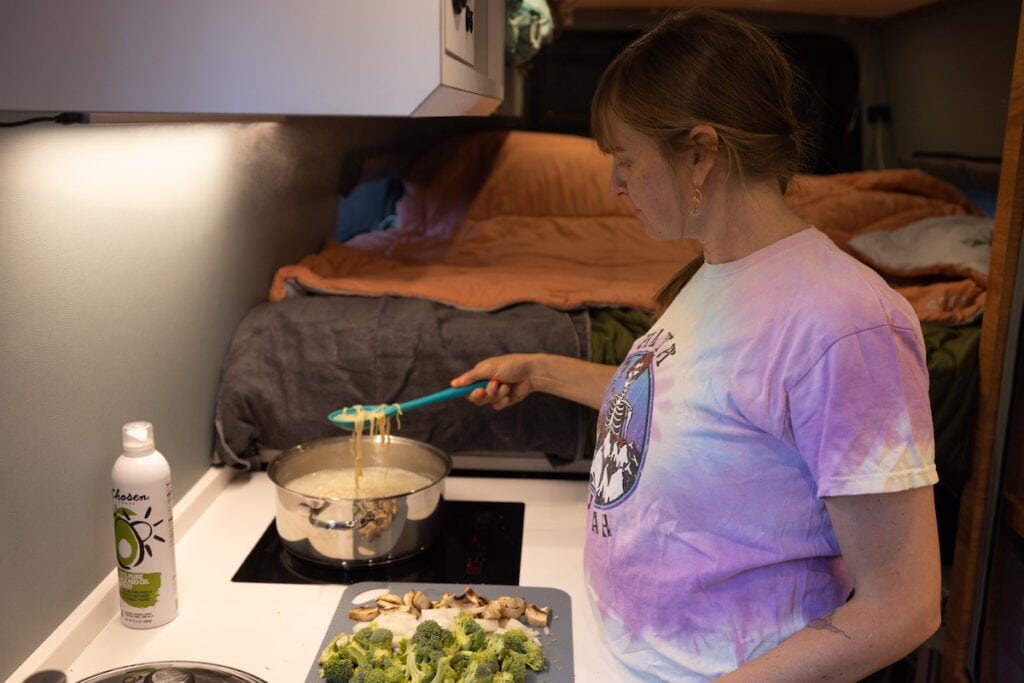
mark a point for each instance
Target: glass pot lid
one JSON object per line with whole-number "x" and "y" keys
{"x": 173, "y": 672}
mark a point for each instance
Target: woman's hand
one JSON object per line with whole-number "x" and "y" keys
{"x": 515, "y": 376}
{"x": 510, "y": 380}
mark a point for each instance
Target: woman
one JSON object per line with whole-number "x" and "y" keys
{"x": 761, "y": 505}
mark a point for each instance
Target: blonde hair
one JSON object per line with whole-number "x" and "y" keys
{"x": 702, "y": 66}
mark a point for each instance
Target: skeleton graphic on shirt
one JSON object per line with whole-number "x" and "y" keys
{"x": 622, "y": 432}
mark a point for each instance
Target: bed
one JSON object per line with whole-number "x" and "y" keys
{"x": 508, "y": 241}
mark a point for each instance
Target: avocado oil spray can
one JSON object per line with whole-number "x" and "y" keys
{"x": 144, "y": 530}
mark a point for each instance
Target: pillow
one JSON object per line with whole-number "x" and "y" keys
{"x": 440, "y": 186}
{"x": 549, "y": 174}
{"x": 940, "y": 244}
{"x": 438, "y": 189}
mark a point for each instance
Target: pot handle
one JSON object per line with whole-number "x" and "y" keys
{"x": 347, "y": 525}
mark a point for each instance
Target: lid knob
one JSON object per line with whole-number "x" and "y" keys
{"x": 170, "y": 675}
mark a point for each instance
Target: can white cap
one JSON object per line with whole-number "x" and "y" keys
{"x": 137, "y": 437}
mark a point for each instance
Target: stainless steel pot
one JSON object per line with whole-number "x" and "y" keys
{"x": 173, "y": 672}
{"x": 357, "y": 532}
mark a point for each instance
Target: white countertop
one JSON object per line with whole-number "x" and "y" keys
{"x": 274, "y": 631}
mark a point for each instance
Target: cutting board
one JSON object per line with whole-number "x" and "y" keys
{"x": 557, "y": 644}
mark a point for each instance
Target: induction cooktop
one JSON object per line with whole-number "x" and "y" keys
{"x": 480, "y": 542}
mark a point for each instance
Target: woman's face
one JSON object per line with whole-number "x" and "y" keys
{"x": 642, "y": 173}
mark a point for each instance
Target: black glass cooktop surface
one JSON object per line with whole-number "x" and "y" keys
{"x": 480, "y": 543}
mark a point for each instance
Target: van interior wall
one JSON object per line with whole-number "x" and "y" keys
{"x": 939, "y": 77}
{"x": 948, "y": 70}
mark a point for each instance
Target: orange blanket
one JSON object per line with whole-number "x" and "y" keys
{"x": 537, "y": 223}
{"x": 850, "y": 204}
{"x": 542, "y": 227}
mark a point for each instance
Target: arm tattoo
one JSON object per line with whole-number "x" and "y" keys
{"x": 824, "y": 623}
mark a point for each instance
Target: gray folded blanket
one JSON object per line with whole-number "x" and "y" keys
{"x": 291, "y": 363}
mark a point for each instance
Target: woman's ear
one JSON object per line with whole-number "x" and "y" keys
{"x": 704, "y": 139}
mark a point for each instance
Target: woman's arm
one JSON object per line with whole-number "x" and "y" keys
{"x": 890, "y": 545}
{"x": 516, "y": 376}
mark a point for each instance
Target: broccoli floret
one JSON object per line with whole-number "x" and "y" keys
{"x": 393, "y": 671}
{"x": 444, "y": 672}
{"x": 370, "y": 651}
{"x": 376, "y": 643}
{"x": 487, "y": 656}
{"x": 469, "y": 635}
{"x": 332, "y": 647}
{"x": 395, "y": 674}
{"x": 341, "y": 659}
{"x": 361, "y": 676}
{"x": 432, "y": 655}
{"x": 381, "y": 658}
{"x": 428, "y": 653}
{"x": 369, "y": 676}
{"x": 513, "y": 667}
{"x": 494, "y": 647}
{"x": 486, "y": 666}
{"x": 460, "y": 661}
{"x": 356, "y": 653}
{"x": 421, "y": 663}
{"x": 517, "y": 641}
{"x": 480, "y": 671}
{"x": 373, "y": 637}
{"x": 430, "y": 634}
{"x": 337, "y": 670}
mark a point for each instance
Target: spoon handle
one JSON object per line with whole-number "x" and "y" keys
{"x": 451, "y": 392}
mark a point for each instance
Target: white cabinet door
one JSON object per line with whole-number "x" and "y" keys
{"x": 247, "y": 57}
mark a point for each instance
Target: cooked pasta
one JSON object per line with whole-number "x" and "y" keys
{"x": 379, "y": 422}
{"x": 377, "y": 482}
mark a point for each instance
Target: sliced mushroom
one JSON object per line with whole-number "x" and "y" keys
{"x": 486, "y": 611}
{"x": 511, "y": 608}
{"x": 491, "y": 610}
{"x": 420, "y": 600}
{"x": 464, "y": 603}
{"x": 389, "y": 601}
{"x": 409, "y": 602}
{"x": 405, "y": 609}
{"x": 364, "y": 613}
{"x": 447, "y": 600}
{"x": 537, "y": 616}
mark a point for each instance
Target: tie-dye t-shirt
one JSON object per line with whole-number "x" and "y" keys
{"x": 770, "y": 382}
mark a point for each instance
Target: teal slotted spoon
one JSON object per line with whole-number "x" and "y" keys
{"x": 345, "y": 418}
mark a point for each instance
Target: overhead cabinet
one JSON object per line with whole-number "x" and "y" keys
{"x": 246, "y": 57}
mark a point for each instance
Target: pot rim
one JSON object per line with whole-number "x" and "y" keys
{"x": 111, "y": 675}
{"x": 295, "y": 451}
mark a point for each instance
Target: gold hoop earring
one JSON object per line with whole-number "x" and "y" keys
{"x": 696, "y": 200}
